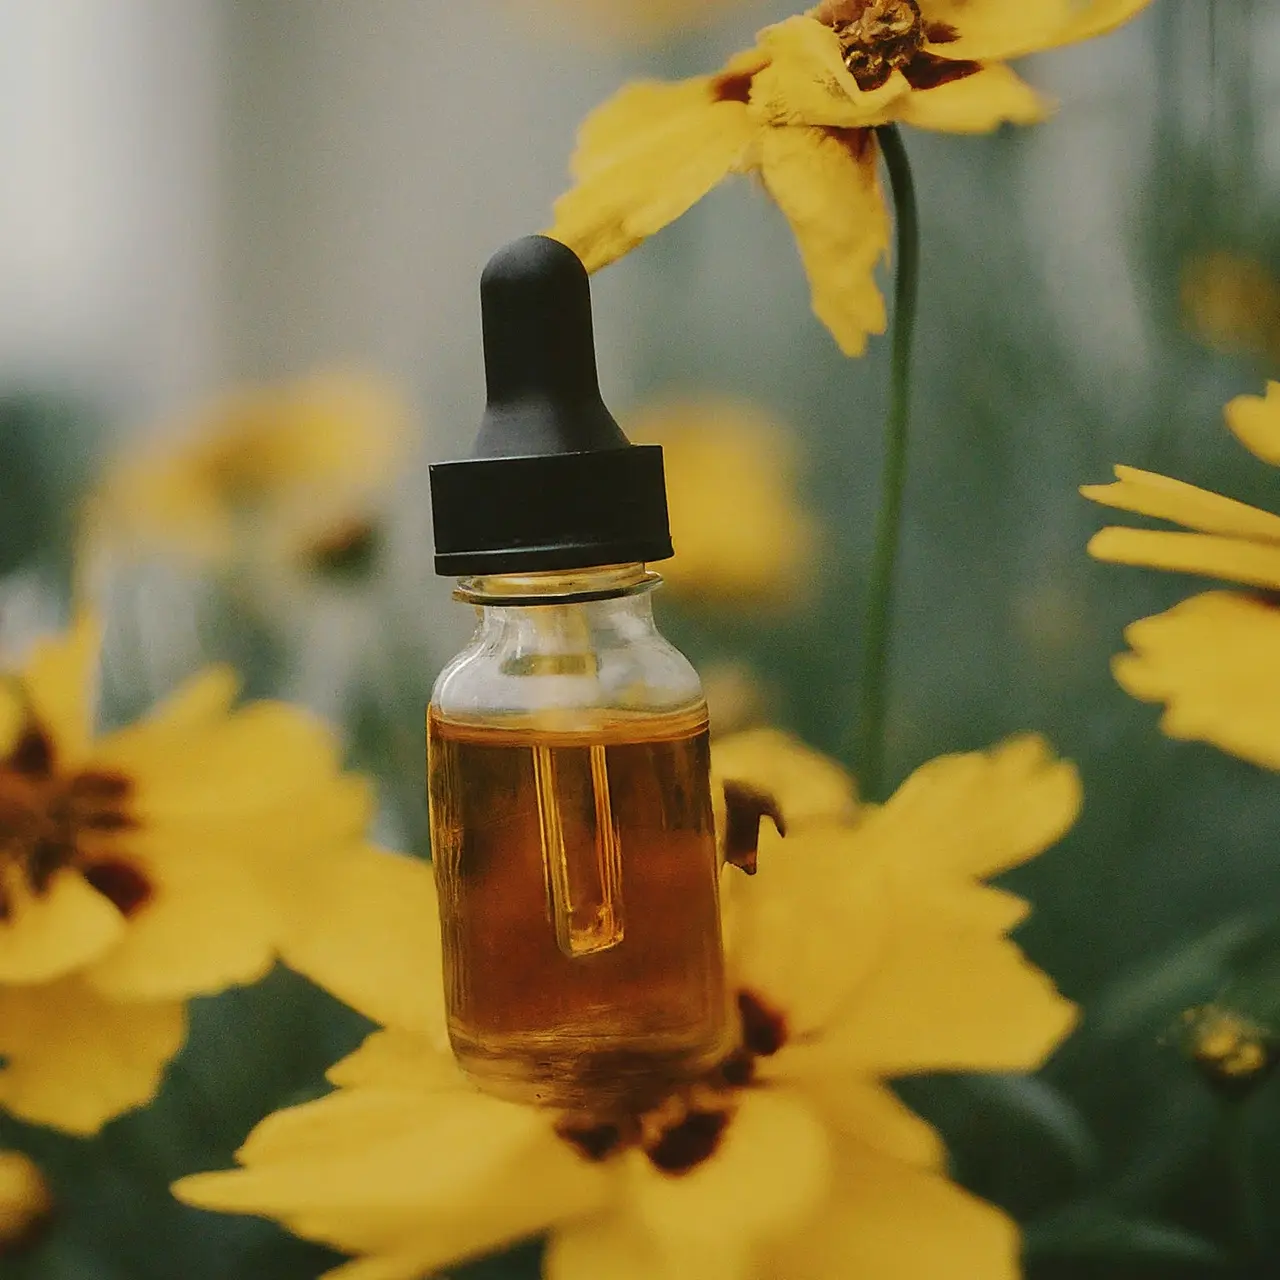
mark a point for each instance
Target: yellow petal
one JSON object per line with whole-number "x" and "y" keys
{"x": 863, "y": 1111}
{"x": 1255, "y": 420}
{"x": 607, "y": 1246}
{"x": 258, "y": 757}
{"x": 1097, "y": 18}
{"x": 1232, "y": 559}
{"x": 1211, "y": 660}
{"x": 976, "y": 814}
{"x": 808, "y": 786}
{"x": 806, "y": 82}
{"x": 1147, "y": 494}
{"x": 991, "y": 30}
{"x": 946, "y": 995}
{"x": 645, "y": 158}
{"x": 202, "y": 700}
{"x": 25, "y": 1199}
{"x": 825, "y": 182}
{"x": 61, "y": 681}
{"x": 974, "y": 104}
{"x": 769, "y": 1172}
{"x": 75, "y": 1060}
{"x": 980, "y": 906}
{"x": 49, "y": 935}
{"x": 808, "y": 927}
{"x": 365, "y": 926}
{"x": 174, "y": 725}
{"x": 405, "y": 1174}
{"x": 399, "y": 1060}
{"x": 208, "y": 924}
{"x": 887, "y": 1219}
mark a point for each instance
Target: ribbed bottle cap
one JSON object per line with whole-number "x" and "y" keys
{"x": 552, "y": 482}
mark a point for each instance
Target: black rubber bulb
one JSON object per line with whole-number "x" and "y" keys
{"x": 552, "y": 481}
{"x": 540, "y": 355}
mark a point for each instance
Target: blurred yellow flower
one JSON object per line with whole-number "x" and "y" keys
{"x": 142, "y": 867}
{"x": 740, "y": 534}
{"x": 864, "y": 950}
{"x": 25, "y": 1200}
{"x": 1232, "y": 303}
{"x": 1211, "y": 659}
{"x": 1234, "y": 1053}
{"x": 798, "y": 110}
{"x": 289, "y": 473}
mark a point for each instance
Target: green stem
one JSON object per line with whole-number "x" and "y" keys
{"x": 877, "y": 632}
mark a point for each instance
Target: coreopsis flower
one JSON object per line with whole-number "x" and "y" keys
{"x": 740, "y": 534}
{"x": 866, "y": 948}
{"x": 286, "y": 475}
{"x": 141, "y": 867}
{"x": 25, "y": 1201}
{"x": 1210, "y": 659}
{"x": 798, "y": 110}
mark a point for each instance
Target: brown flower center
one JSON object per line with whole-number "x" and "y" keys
{"x": 346, "y": 552}
{"x": 686, "y": 1126}
{"x": 879, "y": 37}
{"x": 50, "y": 820}
{"x": 883, "y": 37}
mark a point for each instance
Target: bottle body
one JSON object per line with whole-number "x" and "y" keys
{"x": 574, "y": 848}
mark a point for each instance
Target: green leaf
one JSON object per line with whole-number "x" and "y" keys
{"x": 1049, "y": 1113}
{"x": 1160, "y": 987}
{"x": 1098, "y": 1232}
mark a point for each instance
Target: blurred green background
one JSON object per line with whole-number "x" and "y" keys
{"x": 208, "y": 191}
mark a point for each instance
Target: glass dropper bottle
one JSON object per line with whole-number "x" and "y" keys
{"x": 571, "y": 819}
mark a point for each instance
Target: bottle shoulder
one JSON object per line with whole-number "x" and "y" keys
{"x": 514, "y": 674}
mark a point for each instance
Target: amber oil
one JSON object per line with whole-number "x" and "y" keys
{"x": 577, "y": 871}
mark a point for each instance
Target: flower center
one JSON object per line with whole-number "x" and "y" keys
{"x": 877, "y": 37}
{"x": 685, "y": 1128}
{"x": 50, "y": 820}
{"x": 347, "y": 552}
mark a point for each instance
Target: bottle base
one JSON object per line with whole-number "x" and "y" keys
{"x": 588, "y": 1077}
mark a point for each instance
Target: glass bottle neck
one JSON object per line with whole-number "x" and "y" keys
{"x": 564, "y": 586}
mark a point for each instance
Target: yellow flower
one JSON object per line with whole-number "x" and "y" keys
{"x": 797, "y": 109}
{"x": 288, "y": 473}
{"x": 25, "y": 1200}
{"x": 140, "y": 868}
{"x": 1234, "y": 1053}
{"x": 865, "y": 949}
{"x": 741, "y": 537}
{"x": 1211, "y": 659}
{"x": 1232, "y": 304}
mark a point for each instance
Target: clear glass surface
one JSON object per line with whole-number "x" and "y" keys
{"x": 574, "y": 845}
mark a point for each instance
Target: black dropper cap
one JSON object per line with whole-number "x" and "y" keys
{"x": 552, "y": 482}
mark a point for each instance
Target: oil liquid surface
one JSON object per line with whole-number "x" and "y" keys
{"x": 578, "y": 899}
